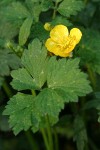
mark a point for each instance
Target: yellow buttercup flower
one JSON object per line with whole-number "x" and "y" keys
{"x": 61, "y": 42}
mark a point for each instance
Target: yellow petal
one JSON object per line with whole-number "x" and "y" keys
{"x": 70, "y": 47}
{"x": 52, "y": 46}
{"x": 59, "y": 34}
{"x": 77, "y": 34}
{"x": 63, "y": 54}
{"x": 55, "y": 49}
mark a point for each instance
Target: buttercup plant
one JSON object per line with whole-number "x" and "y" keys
{"x": 49, "y": 68}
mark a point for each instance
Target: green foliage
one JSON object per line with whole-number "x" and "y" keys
{"x": 29, "y": 113}
{"x": 34, "y": 74}
{"x": 7, "y": 30}
{"x": 56, "y": 98}
{"x": 36, "y": 7}
{"x": 16, "y": 10}
{"x": 8, "y": 60}
{"x": 49, "y": 102}
{"x": 35, "y": 61}
{"x": 20, "y": 112}
{"x": 70, "y": 7}
{"x": 46, "y": 5}
{"x": 94, "y": 103}
{"x": 38, "y": 30}
{"x": 68, "y": 83}
{"x": 23, "y": 80}
{"x": 90, "y": 49}
{"x": 25, "y": 31}
{"x": 63, "y": 85}
{"x": 80, "y": 134}
{"x": 61, "y": 20}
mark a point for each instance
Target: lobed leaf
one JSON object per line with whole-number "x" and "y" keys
{"x": 35, "y": 61}
{"x": 49, "y": 103}
{"x": 16, "y": 10}
{"x": 22, "y": 80}
{"x": 33, "y": 75}
{"x": 20, "y": 109}
{"x": 65, "y": 77}
{"x": 70, "y": 7}
{"x": 7, "y": 61}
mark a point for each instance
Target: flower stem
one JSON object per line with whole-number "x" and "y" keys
{"x": 7, "y": 89}
{"x": 55, "y": 10}
{"x": 45, "y": 139}
{"x": 49, "y": 132}
{"x": 48, "y": 140}
{"x": 33, "y": 93}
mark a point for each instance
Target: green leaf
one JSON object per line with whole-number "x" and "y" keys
{"x": 89, "y": 50}
{"x": 36, "y": 11}
{"x": 2, "y": 42}
{"x": 35, "y": 61}
{"x": 20, "y": 109}
{"x": 5, "y": 2}
{"x": 65, "y": 77}
{"x": 33, "y": 75}
{"x": 25, "y": 30}
{"x": 7, "y": 61}
{"x": 46, "y": 5}
{"x": 70, "y": 7}
{"x": 16, "y": 11}
{"x": 8, "y": 30}
{"x": 27, "y": 111}
{"x": 22, "y": 80}
{"x": 49, "y": 103}
{"x": 64, "y": 85}
{"x": 31, "y": 6}
{"x": 85, "y": 16}
{"x": 61, "y": 20}
{"x": 80, "y": 134}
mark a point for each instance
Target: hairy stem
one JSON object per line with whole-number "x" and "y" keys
{"x": 7, "y": 89}
{"x": 33, "y": 93}
{"x": 49, "y": 132}
{"x": 45, "y": 139}
{"x": 55, "y": 10}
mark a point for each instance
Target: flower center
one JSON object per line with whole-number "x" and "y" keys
{"x": 70, "y": 42}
